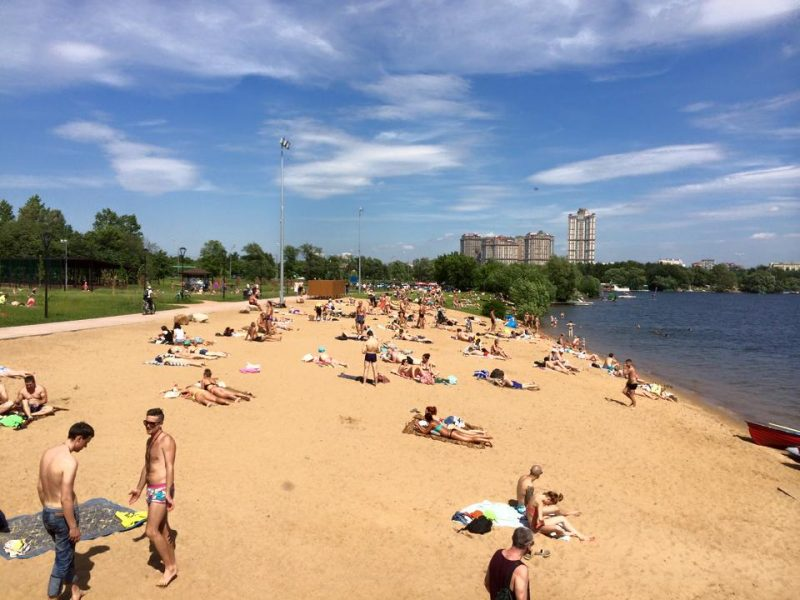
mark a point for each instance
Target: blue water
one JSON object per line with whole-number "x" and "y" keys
{"x": 737, "y": 351}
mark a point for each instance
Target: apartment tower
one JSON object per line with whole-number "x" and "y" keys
{"x": 581, "y": 237}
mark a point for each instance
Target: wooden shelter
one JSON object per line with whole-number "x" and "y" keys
{"x": 326, "y": 288}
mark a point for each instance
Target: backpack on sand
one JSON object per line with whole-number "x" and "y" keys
{"x": 479, "y": 525}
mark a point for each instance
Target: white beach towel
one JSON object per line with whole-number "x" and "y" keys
{"x": 507, "y": 516}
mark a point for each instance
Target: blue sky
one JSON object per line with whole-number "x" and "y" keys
{"x": 676, "y": 121}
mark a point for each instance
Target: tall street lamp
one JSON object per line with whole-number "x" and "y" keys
{"x": 182, "y": 252}
{"x": 144, "y": 281}
{"x": 66, "y": 261}
{"x": 46, "y": 246}
{"x": 285, "y": 145}
{"x": 230, "y": 270}
{"x": 360, "y": 210}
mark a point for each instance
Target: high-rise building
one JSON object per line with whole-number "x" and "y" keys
{"x": 538, "y": 248}
{"x": 706, "y": 263}
{"x": 471, "y": 245}
{"x": 581, "y": 237}
{"x": 501, "y": 249}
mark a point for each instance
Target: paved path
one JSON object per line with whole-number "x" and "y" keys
{"x": 9, "y": 333}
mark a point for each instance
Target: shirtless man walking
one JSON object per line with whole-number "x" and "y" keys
{"x": 629, "y": 372}
{"x": 33, "y": 398}
{"x": 159, "y": 475}
{"x": 57, "y": 470}
{"x": 361, "y": 317}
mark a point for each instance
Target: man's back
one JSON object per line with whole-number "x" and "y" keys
{"x": 51, "y": 474}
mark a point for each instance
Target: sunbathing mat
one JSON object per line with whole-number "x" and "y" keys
{"x": 409, "y": 428}
{"x": 500, "y": 513}
{"x": 97, "y": 519}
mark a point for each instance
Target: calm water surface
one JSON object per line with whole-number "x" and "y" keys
{"x": 738, "y": 351}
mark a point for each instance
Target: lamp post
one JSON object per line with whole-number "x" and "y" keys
{"x": 285, "y": 145}
{"x": 360, "y": 210}
{"x": 46, "y": 247}
{"x": 144, "y": 281}
{"x": 182, "y": 252}
{"x": 66, "y": 261}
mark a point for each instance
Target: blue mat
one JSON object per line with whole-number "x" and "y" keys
{"x": 96, "y": 516}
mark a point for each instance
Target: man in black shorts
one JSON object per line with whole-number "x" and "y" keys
{"x": 629, "y": 372}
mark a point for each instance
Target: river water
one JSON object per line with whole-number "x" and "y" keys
{"x": 737, "y": 351}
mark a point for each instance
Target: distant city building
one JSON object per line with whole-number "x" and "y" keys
{"x": 791, "y": 266}
{"x": 538, "y": 247}
{"x": 581, "y": 237}
{"x": 501, "y": 249}
{"x": 671, "y": 261}
{"x": 472, "y": 245}
{"x": 705, "y": 263}
{"x": 532, "y": 248}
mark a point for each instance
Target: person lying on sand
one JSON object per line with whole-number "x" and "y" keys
{"x": 9, "y": 372}
{"x": 351, "y": 336}
{"x": 323, "y": 358}
{"x": 454, "y": 422}
{"x": 461, "y": 336}
{"x": 192, "y": 353}
{"x": 510, "y": 383}
{"x": 211, "y": 384}
{"x": 544, "y": 517}
{"x": 402, "y": 335}
{"x": 202, "y": 396}
{"x": 390, "y": 354}
{"x": 434, "y": 428}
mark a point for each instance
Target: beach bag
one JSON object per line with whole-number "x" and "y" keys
{"x": 480, "y": 525}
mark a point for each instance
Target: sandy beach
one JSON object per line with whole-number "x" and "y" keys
{"x": 311, "y": 490}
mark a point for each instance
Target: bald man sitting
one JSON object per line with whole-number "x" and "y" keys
{"x": 525, "y": 482}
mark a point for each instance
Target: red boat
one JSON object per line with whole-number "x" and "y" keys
{"x": 774, "y": 436}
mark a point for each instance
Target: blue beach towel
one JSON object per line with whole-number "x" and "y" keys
{"x": 97, "y": 519}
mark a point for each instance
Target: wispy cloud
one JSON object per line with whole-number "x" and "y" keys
{"x": 697, "y": 107}
{"x": 643, "y": 162}
{"x": 740, "y": 212}
{"x": 763, "y": 236}
{"x": 783, "y": 178}
{"x": 138, "y": 167}
{"x": 50, "y": 43}
{"x": 770, "y": 116}
{"x": 333, "y": 162}
{"x": 51, "y": 182}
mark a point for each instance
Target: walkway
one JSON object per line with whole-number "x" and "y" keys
{"x": 10, "y": 333}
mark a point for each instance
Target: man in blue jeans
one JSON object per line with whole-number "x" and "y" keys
{"x": 57, "y": 471}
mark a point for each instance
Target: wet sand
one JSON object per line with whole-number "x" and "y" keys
{"x": 311, "y": 490}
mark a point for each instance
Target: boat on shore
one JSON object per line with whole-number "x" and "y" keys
{"x": 774, "y": 436}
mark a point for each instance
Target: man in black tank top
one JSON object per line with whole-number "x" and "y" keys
{"x": 506, "y": 569}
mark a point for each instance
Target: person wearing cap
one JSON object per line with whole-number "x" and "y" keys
{"x": 506, "y": 569}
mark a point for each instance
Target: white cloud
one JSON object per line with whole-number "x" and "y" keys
{"x": 120, "y": 43}
{"x": 697, "y": 107}
{"x": 776, "y": 179}
{"x": 643, "y": 162}
{"x": 42, "y": 182}
{"x": 769, "y": 116}
{"x": 788, "y": 209}
{"x": 763, "y": 236}
{"x": 138, "y": 167}
{"x": 329, "y": 162}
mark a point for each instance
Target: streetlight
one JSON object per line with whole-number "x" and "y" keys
{"x": 360, "y": 210}
{"x": 285, "y": 145}
{"x": 230, "y": 270}
{"x": 46, "y": 246}
{"x": 66, "y": 259}
{"x": 144, "y": 281}
{"x": 182, "y": 252}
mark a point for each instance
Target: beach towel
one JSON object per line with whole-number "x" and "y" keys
{"x": 12, "y": 421}
{"x": 98, "y": 518}
{"x": 500, "y": 513}
{"x": 250, "y": 368}
{"x": 409, "y": 428}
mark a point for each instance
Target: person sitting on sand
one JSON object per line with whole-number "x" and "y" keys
{"x": 544, "y": 517}
{"x": 33, "y": 399}
{"x": 178, "y": 335}
{"x": 254, "y": 336}
{"x": 461, "y": 336}
{"x": 611, "y": 365}
{"x": 430, "y": 426}
{"x": 211, "y": 384}
{"x": 527, "y": 482}
{"x": 564, "y": 362}
{"x": 406, "y": 368}
{"x": 6, "y": 405}
{"x": 425, "y": 372}
{"x": 323, "y": 358}
{"x": 496, "y": 350}
{"x": 252, "y": 303}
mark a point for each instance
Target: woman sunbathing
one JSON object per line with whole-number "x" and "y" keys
{"x": 433, "y": 427}
{"x": 402, "y": 335}
{"x": 323, "y": 358}
{"x": 510, "y": 383}
{"x": 406, "y": 368}
{"x": 202, "y": 396}
{"x": 210, "y": 384}
{"x": 544, "y": 517}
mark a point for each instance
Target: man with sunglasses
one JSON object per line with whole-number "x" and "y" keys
{"x": 159, "y": 475}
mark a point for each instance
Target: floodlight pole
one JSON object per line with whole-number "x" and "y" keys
{"x": 360, "y": 210}
{"x": 66, "y": 261}
{"x": 182, "y": 252}
{"x": 46, "y": 246}
{"x": 285, "y": 145}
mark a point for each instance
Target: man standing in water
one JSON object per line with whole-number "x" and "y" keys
{"x": 159, "y": 475}
{"x": 629, "y": 372}
{"x": 57, "y": 470}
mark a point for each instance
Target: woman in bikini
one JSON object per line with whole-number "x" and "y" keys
{"x": 202, "y": 396}
{"x": 436, "y": 427}
{"x": 544, "y": 517}
{"x": 210, "y": 384}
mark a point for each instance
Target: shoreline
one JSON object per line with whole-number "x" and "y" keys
{"x": 317, "y": 460}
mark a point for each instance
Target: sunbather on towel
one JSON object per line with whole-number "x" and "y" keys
{"x": 9, "y": 372}
{"x": 510, "y": 383}
{"x": 544, "y": 517}
{"x": 202, "y": 396}
{"x": 434, "y": 427}
{"x": 210, "y": 384}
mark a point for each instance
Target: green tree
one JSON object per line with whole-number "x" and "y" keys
{"x": 257, "y": 265}
{"x": 493, "y": 277}
{"x": 214, "y": 258}
{"x": 423, "y": 269}
{"x": 564, "y": 276}
{"x": 291, "y": 266}
{"x": 118, "y": 239}
{"x": 532, "y": 294}
{"x": 722, "y": 279}
{"x": 400, "y": 271}
{"x": 759, "y": 282}
{"x": 455, "y": 269}
{"x": 589, "y": 286}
